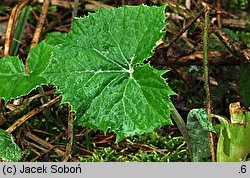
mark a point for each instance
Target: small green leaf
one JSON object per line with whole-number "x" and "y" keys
{"x": 55, "y": 38}
{"x": 39, "y": 58}
{"x": 15, "y": 82}
{"x": 199, "y": 127}
{"x": 9, "y": 150}
{"x": 99, "y": 70}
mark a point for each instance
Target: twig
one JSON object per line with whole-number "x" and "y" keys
{"x": 183, "y": 30}
{"x": 235, "y": 23}
{"x": 75, "y": 8}
{"x": 42, "y": 132}
{"x": 11, "y": 25}
{"x": 233, "y": 48}
{"x": 183, "y": 11}
{"x": 43, "y": 143}
{"x": 60, "y": 3}
{"x": 188, "y": 6}
{"x": 216, "y": 58}
{"x": 161, "y": 151}
{"x": 174, "y": 16}
{"x": 57, "y": 137}
{"x": 196, "y": 4}
{"x": 105, "y": 140}
{"x": 222, "y": 39}
{"x": 40, "y": 23}
{"x": 87, "y": 138}
{"x": 69, "y": 136}
{"x": 99, "y": 4}
{"x": 38, "y": 30}
{"x": 16, "y": 108}
{"x": 33, "y": 145}
{"x": 85, "y": 150}
{"x": 4, "y": 18}
{"x": 19, "y": 30}
{"x": 206, "y": 78}
{"x": 13, "y": 107}
{"x": 229, "y": 44}
{"x": 43, "y": 153}
{"x": 232, "y": 86}
{"x": 219, "y": 16}
{"x": 32, "y": 113}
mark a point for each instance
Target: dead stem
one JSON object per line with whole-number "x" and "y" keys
{"x": 70, "y": 135}
{"x": 40, "y": 24}
{"x": 183, "y": 30}
{"x": 38, "y": 30}
{"x": 11, "y": 25}
{"x": 32, "y": 113}
{"x": 206, "y": 78}
{"x": 43, "y": 142}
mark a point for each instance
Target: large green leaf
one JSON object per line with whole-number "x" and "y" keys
{"x": 99, "y": 70}
{"x": 13, "y": 78}
{"x": 9, "y": 151}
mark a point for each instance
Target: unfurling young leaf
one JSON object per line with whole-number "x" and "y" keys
{"x": 199, "y": 127}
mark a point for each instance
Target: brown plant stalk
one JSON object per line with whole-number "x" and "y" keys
{"x": 11, "y": 25}
{"x": 38, "y": 30}
{"x": 70, "y": 135}
{"x": 206, "y": 78}
{"x": 32, "y": 113}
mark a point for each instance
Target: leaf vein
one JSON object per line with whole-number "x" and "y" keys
{"x": 119, "y": 47}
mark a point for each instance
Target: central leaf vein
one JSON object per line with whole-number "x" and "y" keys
{"x": 115, "y": 63}
{"x": 105, "y": 87}
{"x": 123, "y": 96}
{"x": 118, "y": 45}
{"x": 121, "y": 99}
{"x": 99, "y": 52}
